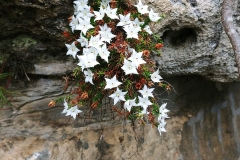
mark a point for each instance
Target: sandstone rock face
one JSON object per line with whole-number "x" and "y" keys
{"x": 204, "y": 114}
{"x": 203, "y": 125}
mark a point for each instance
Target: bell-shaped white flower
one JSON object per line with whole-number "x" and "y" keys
{"x": 129, "y": 67}
{"x": 104, "y": 27}
{"x": 129, "y": 104}
{"x": 65, "y": 107}
{"x": 84, "y": 25}
{"x": 81, "y": 4}
{"x": 161, "y": 127}
{"x": 153, "y": 16}
{"x": 163, "y": 109}
{"x": 100, "y": 14}
{"x": 118, "y": 95}
{"x": 144, "y": 102}
{"x": 84, "y": 13}
{"x": 146, "y": 92}
{"x": 73, "y": 111}
{"x": 81, "y": 62}
{"x": 103, "y": 52}
{"x": 148, "y": 29}
{"x": 90, "y": 50}
{"x": 104, "y": 3}
{"x": 88, "y": 60}
{"x": 106, "y": 34}
{"x": 72, "y": 49}
{"x": 95, "y": 41}
{"x": 136, "y": 58}
{"x": 141, "y": 8}
{"x": 136, "y": 23}
{"x": 155, "y": 77}
{"x": 111, "y": 13}
{"x": 88, "y": 76}
{"x": 112, "y": 83}
{"x": 83, "y": 41}
{"x": 161, "y": 118}
{"x": 131, "y": 31}
{"x": 163, "y": 112}
{"x": 74, "y": 23}
{"x": 124, "y": 20}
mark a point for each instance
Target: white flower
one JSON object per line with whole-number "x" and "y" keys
{"x": 137, "y": 23}
{"x": 73, "y": 23}
{"x": 153, "y": 16}
{"x": 162, "y": 108}
{"x": 111, "y": 13}
{"x": 112, "y": 83}
{"x": 72, "y": 49}
{"x": 163, "y": 112}
{"x": 87, "y": 60}
{"x": 99, "y": 15}
{"x": 95, "y": 41}
{"x": 103, "y": 52}
{"x": 136, "y": 58}
{"x": 73, "y": 111}
{"x": 129, "y": 67}
{"x": 155, "y": 77}
{"x": 104, "y": 3}
{"x": 85, "y": 13}
{"x": 161, "y": 127}
{"x": 81, "y": 4}
{"x": 75, "y": 9}
{"x": 88, "y": 76}
{"x": 65, "y": 107}
{"x": 147, "y": 29}
{"x": 106, "y": 34}
{"x": 131, "y": 31}
{"x": 144, "y": 102}
{"x": 118, "y": 95}
{"x": 146, "y": 92}
{"x": 129, "y": 104}
{"x": 93, "y": 50}
{"x": 104, "y": 27}
{"x": 90, "y": 50}
{"x": 83, "y": 41}
{"x": 81, "y": 63}
{"x": 84, "y": 25}
{"x": 141, "y": 8}
{"x": 161, "y": 118}
{"x": 124, "y": 20}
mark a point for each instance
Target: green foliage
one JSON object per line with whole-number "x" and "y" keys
{"x": 23, "y": 42}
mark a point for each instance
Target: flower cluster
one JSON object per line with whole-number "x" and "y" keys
{"x": 112, "y": 41}
{"x": 161, "y": 118}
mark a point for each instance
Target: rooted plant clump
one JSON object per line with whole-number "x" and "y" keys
{"x": 113, "y": 42}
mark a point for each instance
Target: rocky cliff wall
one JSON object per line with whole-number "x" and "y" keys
{"x": 196, "y": 59}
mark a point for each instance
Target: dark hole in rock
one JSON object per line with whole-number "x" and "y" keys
{"x": 180, "y": 37}
{"x": 192, "y": 2}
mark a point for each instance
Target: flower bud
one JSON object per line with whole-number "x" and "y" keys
{"x": 158, "y": 45}
{"x": 94, "y": 105}
{"x": 52, "y": 103}
{"x": 146, "y": 53}
{"x": 84, "y": 95}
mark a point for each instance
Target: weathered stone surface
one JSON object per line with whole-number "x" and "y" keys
{"x": 204, "y": 114}
{"x": 194, "y": 39}
{"x": 52, "y": 69}
{"x": 203, "y": 125}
